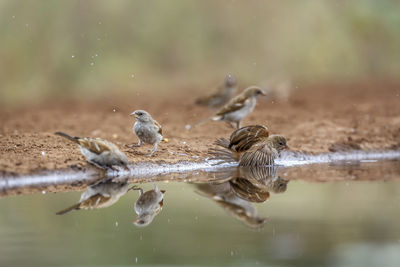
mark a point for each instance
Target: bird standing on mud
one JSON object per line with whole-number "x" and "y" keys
{"x": 221, "y": 95}
{"x": 250, "y": 146}
{"x": 237, "y": 108}
{"x": 147, "y": 130}
{"x": 99, "y": 152}
{"x": 148, "y": 205}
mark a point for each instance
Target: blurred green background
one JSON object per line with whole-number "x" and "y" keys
{"x": 90, "y": 48}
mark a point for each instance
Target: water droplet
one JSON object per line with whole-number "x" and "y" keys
{"x": 188, "y": 126}
{"x": 91, "y": 63}
{"x": 116, "y": 224}
{"x": 114, "y": 110}
{"x": 43, "y": 153}
{"x": 73, "y": 56}
{"x": 184, "y": 142}
{"x": 43, "y": 192}
{"x": 136, "y": 259}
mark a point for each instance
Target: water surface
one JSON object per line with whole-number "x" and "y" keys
{"x": 350, "y": 220}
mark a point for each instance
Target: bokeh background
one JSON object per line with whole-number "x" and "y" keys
{"x": 91, "y": 48}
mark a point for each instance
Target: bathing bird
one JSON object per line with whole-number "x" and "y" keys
{"x": 250, "y": 146}
{"x": 148, "y": 205}
{"x": 100, "y": 195}
{"x": 240, "y": 208}
{"x": 147, "y": 130}
{"x": 221, "y": 95}
{"x": 237, "y": 108}
{"x": 99, "y": 152}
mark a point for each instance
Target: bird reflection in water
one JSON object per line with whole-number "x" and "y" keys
{"x": 100, "y": 195}
{"x": 148, "y": 205}
{"x": 238, "y": 189}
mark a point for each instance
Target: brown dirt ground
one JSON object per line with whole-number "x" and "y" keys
{"x": 315, "y": 118}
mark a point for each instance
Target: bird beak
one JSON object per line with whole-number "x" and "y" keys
{"x": 287, "y": 147}
{"x": 133, "y": 114}
{"x": 263, "y": 93}
{"x": 162, "y": 191}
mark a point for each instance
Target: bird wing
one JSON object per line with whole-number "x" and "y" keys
{"x": 235, "y": 104}
{"x": 260, "y": 154}
{"x": 94, "y": 201}
{"x": 94, "y": 145}
{"x": 158, "y": 126}
{"x": 244, "y": 189}
{"x": 244, "y": 138}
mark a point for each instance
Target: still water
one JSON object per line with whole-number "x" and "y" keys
{"x": 331, "y": 215}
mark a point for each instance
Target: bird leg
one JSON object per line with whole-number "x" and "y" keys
{"x": 98, "y": 165}
{"x": 153, "y": 150}
{"x": 238, "y": 124}
{"x": 231, "y": 124}
{"x": 135, "y": 187}
{"x": 139, "y": 144}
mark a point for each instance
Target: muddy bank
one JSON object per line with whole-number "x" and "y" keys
{"x": 315, "y": 118}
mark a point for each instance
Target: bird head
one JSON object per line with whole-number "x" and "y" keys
{"x": 143, "y": 220}
{"x": 279, "y": 185}
{"x": 141, "y": 115}
{"x": 230, "y": 81}
{"x": 253, "y": 91}
{"x": 278, "y": 142}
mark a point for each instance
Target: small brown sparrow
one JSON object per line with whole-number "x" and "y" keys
{"x": 99, "y": 152}
{"x": 221, "y": 95}
{"x": 250, "y": 146}
{"x": 148, "y": 205}
{"x": 237, "y": 108}
{"x": 239, "y": 208}
{"x": 100, "y": 195}
{"x": 147, "y": 130}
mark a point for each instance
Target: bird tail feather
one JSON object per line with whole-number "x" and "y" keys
{"x": 74, "y": 207}
{"x": 72, "y": 138}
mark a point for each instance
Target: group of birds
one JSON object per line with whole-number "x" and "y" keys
{"x": 249, "y": 146}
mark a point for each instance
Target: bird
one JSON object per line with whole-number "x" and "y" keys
{"x": 99, "y": 152}
{"x": 250, "y": 146}
{"x": 240, "y": 208}
{"x": 99, "y": 195}
{"x": 221, "y": 95}
{"x": 237, "y": 108}
{"x": 147, "y": 130}
{"x": 148, "y": 205}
